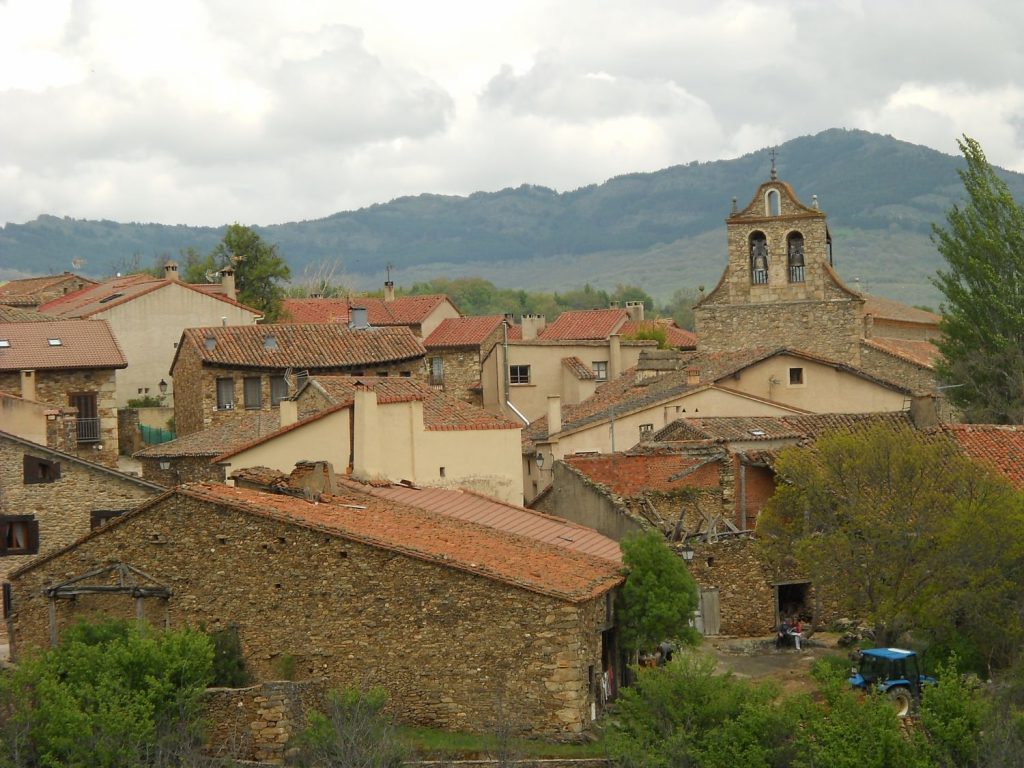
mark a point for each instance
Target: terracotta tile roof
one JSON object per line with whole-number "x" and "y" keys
{"x": 578, "y": 368}
{"x": 468, "y": 331}
{"x": 121, "y": 290}
{"x": 675, "y": 336}
{"x": 440, "y": 411}
{"x": 10, "y": 314}
{"x": 32, "y": 291}
{"x": 918, "y": 352}
{"x": 1000, "y": 447}
{"x": 403, "y": 310}
{"x": 725, "y": 429}
{"x": 477, "y": 508}
{"x": 585, "y": 324}
{"x": 887, "y": 309}
{"x": 302, "y": 346}
{"x": 241, "y": 428}
{"x": 510, "y": 558}
{"x": 629, "y": 474}
{"x": 83, "y": 344}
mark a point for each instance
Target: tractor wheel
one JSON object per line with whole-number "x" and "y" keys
{"x": 902, "y": 700}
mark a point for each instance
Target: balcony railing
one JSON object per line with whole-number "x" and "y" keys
{"x": 88, "y": 430}
{"x": 796, "y": 274}
{"x": 759, "y": 276}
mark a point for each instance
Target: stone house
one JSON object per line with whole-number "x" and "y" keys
{"x": 779, "y": 288}
{"x": 456, "y": 350}
{"x": 33, "y": 292}
{"x": 67, "y": 363}
{"x": 189, "y": 458}
{"x": 220, "y": 370}
{"x": 147, "y": 316}
{"x": 420, "y": 314}
{"x": 49, "y": 498}
{"x": 666, "y": 385}
{"x": 453, "y": 619}
{"x": 391, "y": 430}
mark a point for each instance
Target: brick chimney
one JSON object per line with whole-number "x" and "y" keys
{"x": 289, "y": 412}
{"x": 227, "y": 281}
{"x": 389, "y": 291}
{"x": 635, "y": 310}
{"x": 171, "y": 270}
{"x": 532, "y": 326}
{"x": 614, "y": 356}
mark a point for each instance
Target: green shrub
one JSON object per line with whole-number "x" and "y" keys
{"x": 352, "y": 732}
{"x": 229, "y": 668}
{"x": 284, "y": 667}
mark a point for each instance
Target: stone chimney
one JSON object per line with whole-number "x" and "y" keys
{"x": 532, "y": 326}
{"x": 554, "y": 414}
{"x": 635, "y": 310}
{"x": 28, "y": 385}
{"x": 358, "y": 318}
{"x": 389, "y": 290}
{"x": 614, "y": 356}
{"x": 365, "y": 435}
{"x": 289, "y": 412}
{"x": 227, "y": 281}
{"x": 171, "y": 271}
{"x": 924, "y": 412}
{"x": 692, "y": 376}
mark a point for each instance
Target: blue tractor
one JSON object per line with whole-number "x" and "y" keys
{"x": 894, "y": 672}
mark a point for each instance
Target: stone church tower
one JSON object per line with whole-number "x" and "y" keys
{"x": 779, "y": 288}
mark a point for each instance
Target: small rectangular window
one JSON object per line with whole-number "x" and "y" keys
{"x": 796, "y": 377}
{"x": 38, "y": 470}
{"x": 278, "y": 389}
{"x": 225, "y": 394}
{"x": 19, "y": 535}
{"x": 646, "y": 430}
{"x": 519, "y": 374}
{"x": 253, "y": 391}
{"x": 600, "y": 369}
{"x": 436, "y": 371}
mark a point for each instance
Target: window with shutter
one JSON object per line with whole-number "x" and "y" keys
{"x": 19, "y": 535}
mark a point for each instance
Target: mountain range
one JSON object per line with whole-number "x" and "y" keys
{"x": 661, "y": 230}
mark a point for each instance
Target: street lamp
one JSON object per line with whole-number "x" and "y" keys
{"x": 163, "y": 387}
{"x": 540, "y": 460}
{"x": 687, "y": 553}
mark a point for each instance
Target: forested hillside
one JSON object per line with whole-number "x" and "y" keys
{"x": 661, "y": 230}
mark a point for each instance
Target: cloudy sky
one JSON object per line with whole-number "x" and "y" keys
{"x": 208, "y": 112}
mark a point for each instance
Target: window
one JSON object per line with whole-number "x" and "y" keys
{"x": 758, "y": 245}
{"x": 600, "y": 369}
{"x": 19, "y": 535}
{"x": 253, "y": 386}
{"x": 795, "y": 257}
{"x": 278, "y": 389}
{"x": 225, "y": 394}
{"x": 436, "y": 371}
{"x": 796, "y": 377}
{"x": 773, "y": 204}
{"x": 382, "y": 374}
{"x": 406, "y": 374}
{"x": 646, "y": 431}
{"x": 38, "y": 470}
{"x": 519, "y": 374}
{"x": 99, "y": 517}
{"x": 54, "y": 342}
{"x": 88, "y": 416}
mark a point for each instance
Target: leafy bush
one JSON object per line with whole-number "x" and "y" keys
{"x": 229, "y": 669}
{"x": 353, "y": 732}
{"x": 149, "y": 401}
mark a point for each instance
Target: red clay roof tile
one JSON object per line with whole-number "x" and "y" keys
{"x": 81, "y": 344}
{"x": 919, "y": 352}
{"x": 121, "y": 290}
{"x": 468, "y": 331}
{"x": 628, "y": 474}
{"x": 1000, "y": 447}
{"x": 402, "y": 310}
{"x": 585, "y": 324}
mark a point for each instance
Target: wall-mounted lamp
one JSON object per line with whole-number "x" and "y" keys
{"x": 165, "y": 465}
{"x": 687, "y": 553}
{"x": 163, "y": 387}
{"x": 539, "y": 458}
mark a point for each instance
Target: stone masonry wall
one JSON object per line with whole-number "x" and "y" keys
{"x": 56, "y": 388}
{"x": 63, "y": 507}
{"x": 445, "y": 644}
{"x": 461, "y": 373}
{"x": 188, "y": 391}
{"x": 745, "y": 592}
{"x": 183, "y": 469}
{"x": 890, "y": 368}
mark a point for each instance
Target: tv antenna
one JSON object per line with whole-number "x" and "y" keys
{"x": 389, "y": 266}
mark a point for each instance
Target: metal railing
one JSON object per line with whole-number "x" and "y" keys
{"x": 759, "y": 276}
{"x": 88, "y": 430}
{"x": 796, "y": 274}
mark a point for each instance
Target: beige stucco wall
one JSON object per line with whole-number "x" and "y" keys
{"x": 23, "y": 418}
{"x": 547, "y": 374}
{"x": 484, "y": 460}
{"x": 825, "y": 388}
{"x": 324, "y": 439}
{"x": 149, "y": 327}
{"x": 441, "y": 313}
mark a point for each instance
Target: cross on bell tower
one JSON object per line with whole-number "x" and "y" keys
{"x": 772, "y": 153}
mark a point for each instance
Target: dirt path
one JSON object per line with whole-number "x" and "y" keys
{"x": 757, "y": 659}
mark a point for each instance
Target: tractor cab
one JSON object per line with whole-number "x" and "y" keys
{"x": 894, "y": 672}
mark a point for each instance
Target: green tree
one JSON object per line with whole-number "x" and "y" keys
{"x": 110, "y": 696}
{"x": 680, "y": 307}
{"x": 659, "y": 597}
{"x": 902, "y": 530}
{"x": 983, "y": 313}
{"x": 260, "y": 272}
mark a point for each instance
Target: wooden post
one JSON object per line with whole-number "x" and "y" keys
{"x": 140, "y": 610}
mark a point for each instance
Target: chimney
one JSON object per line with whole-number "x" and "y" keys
{"x": 171, "y": 271}
{"x": 869, "y": 326}
{"x": 635, "y": 310}
{"x": 532, "y": 326}
{"x": 365, "y": 435}
{"x": 289, "y": 412}
{"x": 227, "y": 281}
{"x": 924, "y": 412}
{"x": 692, "y": 376}
{"x": 389, "y": 291}
{"x": 614, "y": 356}
{"x": 554, "y": 414}
{"x": 28, "y": 385}
{"x": 357, "y": 319}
